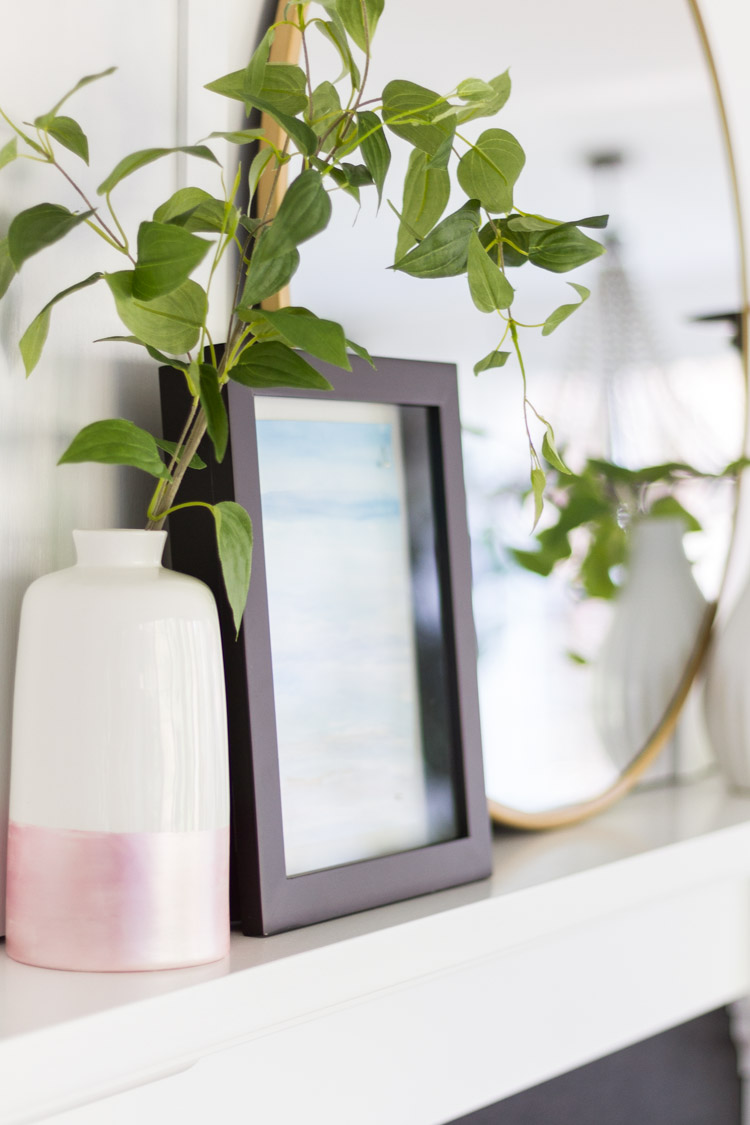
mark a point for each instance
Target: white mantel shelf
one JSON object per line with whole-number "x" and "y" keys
{"x": 584, "y": 940}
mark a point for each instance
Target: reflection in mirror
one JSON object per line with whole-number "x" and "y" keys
{"x": 586, "y": 626}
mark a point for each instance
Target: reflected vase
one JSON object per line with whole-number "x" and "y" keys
{"x": 727, "y": 694}
{"x": 119, "y": 810}
{"x": 656, "y": 623}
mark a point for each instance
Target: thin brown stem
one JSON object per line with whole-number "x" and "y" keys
{"x": 90, "y": 206}
{"x": 349, "y": 112}
{"x": 366, "y": 71}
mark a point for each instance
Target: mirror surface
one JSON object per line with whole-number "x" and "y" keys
{"x": 573, "y": 684}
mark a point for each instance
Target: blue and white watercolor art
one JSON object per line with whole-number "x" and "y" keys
{"x": 342, "y": 631}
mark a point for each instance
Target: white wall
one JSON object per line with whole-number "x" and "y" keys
{"x": 159, "y": 47}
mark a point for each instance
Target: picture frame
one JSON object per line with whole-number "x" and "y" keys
{"x": 355, "y": 752}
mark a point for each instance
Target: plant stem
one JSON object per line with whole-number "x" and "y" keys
{"x": 348, "y": 114}
{"x": 306, "y": 54}
{"x": 182, "y": 439}
{"x": 124, "y": 237}
{"x": 526, "y": 404}
{"x": 198, "y": 429}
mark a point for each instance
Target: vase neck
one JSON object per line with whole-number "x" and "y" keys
{"x": 657, "y": 541}
{"x": 119, "y": 548}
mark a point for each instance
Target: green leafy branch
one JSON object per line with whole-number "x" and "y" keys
{"x": 337, "y": 141}
{"x": 489, "y": 234}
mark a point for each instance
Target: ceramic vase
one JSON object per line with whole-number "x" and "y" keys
{"x": 657, "y": 618}
{"x": 727, "y": 694}
{"x": 119, "y": 810}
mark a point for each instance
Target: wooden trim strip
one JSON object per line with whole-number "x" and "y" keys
{"x": 285, "y": 48}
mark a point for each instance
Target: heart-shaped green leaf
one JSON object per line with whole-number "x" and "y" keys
{"x": 9, "y": 152}
{"x": 254, "y": 72}
{"x": 234, "y": 540}
{"x": 474, "y": 89}
{"x": 238, "y": 136}
{"x": 165, "y": 360}
{"x": 492, "y": 359}
{"x": 38, "y": 227}
{"x": 115, "y": 441}
{"x": 33, "y": 340}
{"x": 230, "y": 85}
{"x": 538, "y": 482}
{"x": 196, "y": 210}
{"x": 305, "y": 211}
{"x": 302, "y": 329}
{"x": 333, "y": 30}
{"x": 140, "y": 159}
{"x": 563, "y": 249}
{"x": 484, "y": 99}
{"x": 259, "y": 163}
{"x": 180, "y": 205}
{"x": 215, "y": 410}
{"x": 550, "y": 451}
{"x": 564, "y": 311}
{"x": 300, "y": 133}
{"x": 426, "y": 193}
{"x": 323, "y": 111}
{"x": 351, "y": 177}
{"x": 7, "y": 269}
{"x": 266, "y": 278}
{"x": 167, "y": 255}
{"x": 489, "y": 170}
{"x": 85, "y": 81}
{"x": 273, "y": 364}
{"x": 284, "y": 86}
{"x": 409, "y": 110}
{"x": 445, "y": 250}
{"x": 374, "y": 148}
{"x": 596, "y": 222}
{"x": 353, "y": 20}
{"x": 361, "y": 352}
{"x": 171, "y": 323}
{"x": 532, "y": 223}
{"x": 489, "y": 287}
{"x": 70, "y": 135}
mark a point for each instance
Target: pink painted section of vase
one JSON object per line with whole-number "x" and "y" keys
{"x": 117, "y": 901}
{"x": 119, "y": 772}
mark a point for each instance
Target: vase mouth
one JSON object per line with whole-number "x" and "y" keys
{"x": 119, "y": 547}
{"x": 656, "y": 526}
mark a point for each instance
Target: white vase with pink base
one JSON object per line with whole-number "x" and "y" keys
{"x": 118, "y": 848}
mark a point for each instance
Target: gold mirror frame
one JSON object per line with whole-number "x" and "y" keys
{"x": 287, "y": 48}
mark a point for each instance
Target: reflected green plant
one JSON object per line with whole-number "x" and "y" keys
{"x": 602, "y": 501}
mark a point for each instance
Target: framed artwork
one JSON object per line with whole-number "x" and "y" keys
{"x": 353, "y": 718}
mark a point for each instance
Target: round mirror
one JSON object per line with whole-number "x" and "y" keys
{"x": 592, "y": 624}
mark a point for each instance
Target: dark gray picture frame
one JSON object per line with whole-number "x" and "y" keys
{"x": 266, "y": 900}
